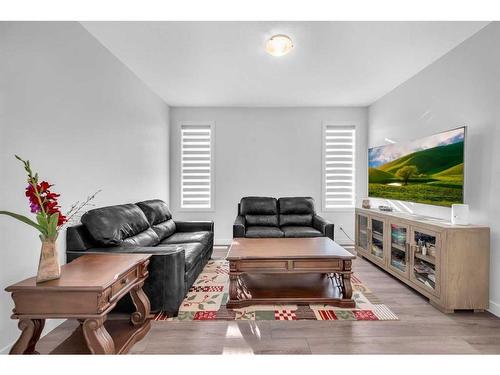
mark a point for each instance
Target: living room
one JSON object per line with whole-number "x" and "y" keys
{"x": 249, "y": 187}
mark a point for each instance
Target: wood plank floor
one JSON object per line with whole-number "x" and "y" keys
{"x": 421, "y": 330}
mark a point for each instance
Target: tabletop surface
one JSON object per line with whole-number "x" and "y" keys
{"x": 88, "y": 272}
{"x": 287, "y": 248}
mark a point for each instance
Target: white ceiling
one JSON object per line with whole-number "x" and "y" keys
{"x": 224, "y": 63}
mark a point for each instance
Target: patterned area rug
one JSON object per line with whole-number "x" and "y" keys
{"x": 206, "y": 300}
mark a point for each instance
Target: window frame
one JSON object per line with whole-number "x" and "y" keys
{"x": 212, "y": 166}
{"x": 325, "y": 125}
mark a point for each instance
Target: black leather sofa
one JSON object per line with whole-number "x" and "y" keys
{"x": 265, "y": 217}
{"x": 180, "y": 248}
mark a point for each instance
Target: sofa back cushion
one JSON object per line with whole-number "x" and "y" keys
{"x": 259, "y": 211}
{"x": 296, "y": 211}
{"x": 159, "y": 217}
{"x": 124, "y": 224}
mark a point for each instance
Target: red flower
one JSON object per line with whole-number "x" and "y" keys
{"x": 48, "y": 199}
{"x": 50, "y": 195}
{"x": 62, "y": 220}
{"x": 44, "y": 186}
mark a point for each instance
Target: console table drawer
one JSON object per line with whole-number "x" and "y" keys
{"x": 123, "y": 282}
{"x": 304, "y": 265}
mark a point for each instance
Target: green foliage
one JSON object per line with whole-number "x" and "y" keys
{"x": 46, "y": 226}
{"x": 376, "y": 175}
{"x": 429, "y": 193}
{"x": 456, "y": 171}
{"x": 26, "y": 220}
{"x": 407, "y": 172}
{"x": 430, "y": 161}
{"x": 438, "y": 178}
{"x": 52, "y": 226}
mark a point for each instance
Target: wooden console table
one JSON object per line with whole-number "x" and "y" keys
{"x": 88, "y": 289}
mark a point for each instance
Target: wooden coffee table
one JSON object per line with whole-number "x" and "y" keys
{"x": 289, "y": 271}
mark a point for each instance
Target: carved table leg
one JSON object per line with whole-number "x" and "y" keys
{"x": 233, "y": 287}
{"x": 98, "y": 339}
{"x": 347, "y": 287}
{"x": 31, "y": 331}
{"x": 142, "y": 305}
{"x": 346, "y": 278}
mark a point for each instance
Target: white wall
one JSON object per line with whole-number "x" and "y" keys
{"x": 461, "y": 88}
{"x": 86, "y": 123}
{"x": 266, "y": 151}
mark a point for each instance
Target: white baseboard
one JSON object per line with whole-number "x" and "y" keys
{"x": 222, "y": 241}
{"x": 494, "y": 308}
{"x": 227, "y": 242}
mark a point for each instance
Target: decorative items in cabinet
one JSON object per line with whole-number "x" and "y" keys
{"x": 425, "y": 266}
{"x": 399, "y": 248}
{"x": 377, "y": 238}
{"x": 449, "y": 264}
{"x": 362, "y": 233}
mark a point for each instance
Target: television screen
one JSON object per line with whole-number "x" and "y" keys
{"x": 428, "y": 170}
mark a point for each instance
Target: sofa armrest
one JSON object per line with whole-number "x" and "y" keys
{"x": 194, "y": 226}
{"x": 239, "y": 226}
{"x": 323, "y": 226}
{"x": 164, "y": 286}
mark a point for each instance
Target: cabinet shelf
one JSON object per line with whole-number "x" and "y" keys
{"x": 398, "y": 247}
{"x": 426, "y": 258}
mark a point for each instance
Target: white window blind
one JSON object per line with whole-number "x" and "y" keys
{"x": 338, "y": 166}
{"x": 197, "y": 165}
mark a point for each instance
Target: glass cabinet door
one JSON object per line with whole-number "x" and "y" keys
{"x": 399, "y": 247}
{"x": 362, "y": 224}
{"x": 377, "y": 239}
{"x": 425, "y": 254}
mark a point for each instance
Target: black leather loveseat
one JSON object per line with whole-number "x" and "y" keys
{"x": 180, "y": 248}
{"x": 265, "y": 217}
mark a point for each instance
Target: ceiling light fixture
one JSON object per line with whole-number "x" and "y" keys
{"x": 279, "y": 45}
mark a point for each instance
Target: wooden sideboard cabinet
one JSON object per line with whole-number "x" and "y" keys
{"x": 449, "y": 264}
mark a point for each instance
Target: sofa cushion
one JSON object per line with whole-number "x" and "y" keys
{"x": 206, "y": 238}
{"x": 296, "y": 211}
{"x": 146, "y": 238}
{"x": 165, "y": 229}
{"x": 159, "y": 216}
{"x": 259, "y": 211}
{"x": 301, "y": 231}
{"x": 264, "y": 220}
{"x": 156, "y": 211}
{"x": 263, "y": 232}
{"x": 110, "y": 226}
{"x": 300, "y": 220}
{"x": 258, "y": 206}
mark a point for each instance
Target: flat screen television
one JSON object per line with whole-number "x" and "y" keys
{"x": 428, "y": 170}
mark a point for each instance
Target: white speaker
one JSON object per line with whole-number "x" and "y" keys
{"x": 460, "y": 214}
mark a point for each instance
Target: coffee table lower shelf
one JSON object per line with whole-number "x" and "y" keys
{"x": 285, "y": 288}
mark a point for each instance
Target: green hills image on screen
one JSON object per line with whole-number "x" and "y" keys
{"x": 432, "y": 176}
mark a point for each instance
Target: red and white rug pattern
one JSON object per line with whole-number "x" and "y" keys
{"x": 206, "y": 300}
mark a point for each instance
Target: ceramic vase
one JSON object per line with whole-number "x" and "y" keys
{"x": 48, "y": 266}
